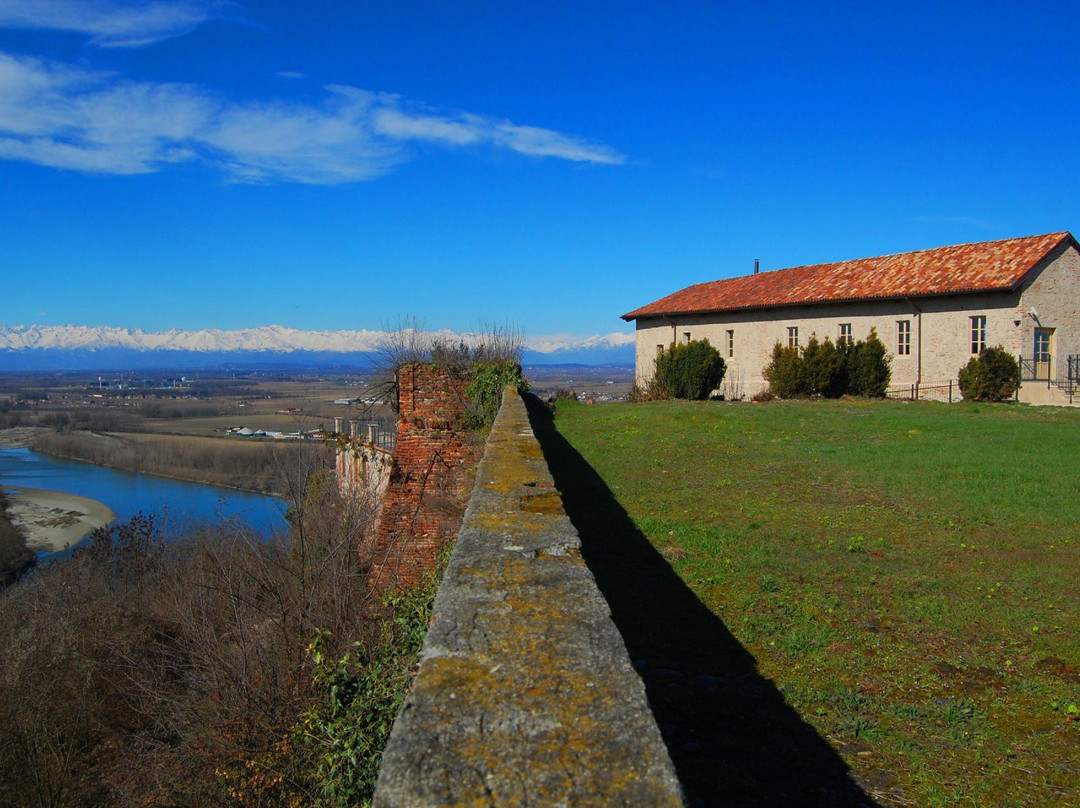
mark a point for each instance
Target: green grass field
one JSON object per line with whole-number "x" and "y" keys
{"x": 894, "y": 585}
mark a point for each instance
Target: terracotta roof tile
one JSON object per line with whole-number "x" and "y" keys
{"x": 982, "y": 267}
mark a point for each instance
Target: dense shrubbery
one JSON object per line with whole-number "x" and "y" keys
{"x": 692, "y": 370}
{"x": 184, "y": 673}
{"x": 15, "y": 557}
{"x": 831, "y": 371}
{"x": 786, "y": 373}
{"x": 867, "y": 363}
{"x": 993, "y": 375}
{"x": 825, "y": 369}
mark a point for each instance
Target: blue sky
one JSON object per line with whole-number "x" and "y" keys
{"x": 333, "y": 165}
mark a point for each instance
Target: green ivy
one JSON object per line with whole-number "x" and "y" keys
{"x": 485, "y": 390}
{"x": 358, "y": 698}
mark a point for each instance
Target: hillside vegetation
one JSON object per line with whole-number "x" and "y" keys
{"x": 15, "y": 557}
{"x": 897, "y": 579}
{"x": 214, "y": 669}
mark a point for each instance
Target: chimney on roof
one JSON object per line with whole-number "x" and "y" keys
{"x": 757, "y": 266}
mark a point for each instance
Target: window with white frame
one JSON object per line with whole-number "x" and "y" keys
{"x": 978, "y": 333}
{"x": 845, "y": 334}
{"x": 730, "y": 344}
{"x": 686, "y": 336}
{"x": 793, "y": 336}
{"x": 903, "y": 337}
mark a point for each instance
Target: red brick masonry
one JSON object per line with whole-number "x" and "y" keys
{"x": 425, "y": 498}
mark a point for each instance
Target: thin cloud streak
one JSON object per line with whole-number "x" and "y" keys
{"x": 59, "y": 115}
{"x": 111, "y": 25}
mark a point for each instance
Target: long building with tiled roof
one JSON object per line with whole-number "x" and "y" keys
{"x": 932, "y": 308}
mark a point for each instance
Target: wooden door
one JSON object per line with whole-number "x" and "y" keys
{"x": 1043, "y": 348}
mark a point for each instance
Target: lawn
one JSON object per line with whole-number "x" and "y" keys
{"x": 889, "y": 587}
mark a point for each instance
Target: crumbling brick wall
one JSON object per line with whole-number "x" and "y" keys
{"x": 425, "y": 497}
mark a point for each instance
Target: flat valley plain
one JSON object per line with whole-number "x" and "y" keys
{"x": 893, "y": 582}
{"x": 178, "y": 424}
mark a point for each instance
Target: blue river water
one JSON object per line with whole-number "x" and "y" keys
{"x": 127, "y": 493}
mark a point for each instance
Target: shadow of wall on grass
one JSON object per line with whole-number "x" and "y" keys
{"x": 732, "y": 738}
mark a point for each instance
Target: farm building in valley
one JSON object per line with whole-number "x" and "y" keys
{"x": 933, "y": 310}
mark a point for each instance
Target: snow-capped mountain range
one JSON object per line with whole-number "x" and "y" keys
{"x": 86, "y": 347}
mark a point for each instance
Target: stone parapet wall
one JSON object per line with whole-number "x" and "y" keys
{"x": 525, "y": 693}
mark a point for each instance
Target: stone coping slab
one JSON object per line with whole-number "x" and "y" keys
{"x": 525, "y": 694}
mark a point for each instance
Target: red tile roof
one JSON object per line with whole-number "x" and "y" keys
{"x": 983, "y": 267}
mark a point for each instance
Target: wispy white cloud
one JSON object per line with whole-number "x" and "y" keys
{"x": 115, "y": 24}
{"x": 331, "y": 143}
{"x": 71, "y": 117}
{"x": 538, "y": 142}
{"x": 400, "y": 120}
{"x": 290, "y": 74}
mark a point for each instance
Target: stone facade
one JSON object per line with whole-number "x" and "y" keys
{"x": 939, "y": 328}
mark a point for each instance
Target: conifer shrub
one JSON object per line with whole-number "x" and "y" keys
{"x": 993, "y": 375}
{"x": 823, "y": 369}
{"x": 786, "y": 373}
{"x": 868, "y": 368}
{"x": 828, "y": 370}
{"x": 691, "y": 370}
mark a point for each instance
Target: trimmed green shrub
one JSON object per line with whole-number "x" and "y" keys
{"x": 823, "y": 369}
{"x": 993, "y": 375}
{"x": 691, "y": 370}
{"x": 868, "y": 368}
{"x": 785, "y": 372}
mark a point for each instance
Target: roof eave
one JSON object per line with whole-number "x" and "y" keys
{"x": 636, "y": 315}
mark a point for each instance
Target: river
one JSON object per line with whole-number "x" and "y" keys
{"x": 127, "y": 493}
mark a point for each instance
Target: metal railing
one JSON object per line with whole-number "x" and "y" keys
{"x": 1062, "y": 374}
{"x": 378, "y": 432}
{"x": 945, "y": 392}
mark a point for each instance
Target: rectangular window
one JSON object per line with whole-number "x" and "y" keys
{"x": 686, "y": 336}
{"x": 845, "y": 334}
{"x": 793, "y": 336}
{"x": 659, "y": 349}
{"x": 903, "y": 337}
{"x": 730, "y": 344}
{"x": 978, "y": 333}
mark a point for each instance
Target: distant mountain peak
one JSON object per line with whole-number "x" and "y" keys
{"x": 78, "y": 346}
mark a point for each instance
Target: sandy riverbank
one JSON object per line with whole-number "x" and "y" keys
{"x": 18, "y": 436}
{"x": 53, "y": 520}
